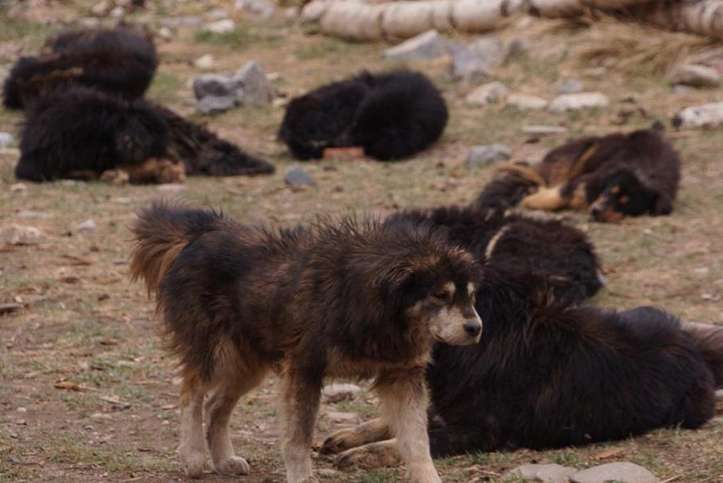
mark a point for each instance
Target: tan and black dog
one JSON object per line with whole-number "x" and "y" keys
{"x": 610, "y": 176}
{"x": 351, "y": 299}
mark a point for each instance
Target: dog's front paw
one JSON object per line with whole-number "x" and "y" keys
{"x": 338, "y": 442}
{"x": 193, "y": 463}
{"x": 374, "y": 455}
{"x": 234, "y": 465}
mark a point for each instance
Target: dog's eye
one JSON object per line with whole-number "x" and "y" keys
{"x": 443, "y": 295}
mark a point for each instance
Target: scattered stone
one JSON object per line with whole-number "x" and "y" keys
{"x": 117, "y": 12}
{"x": 215, "y": 93}
{"x": 210, "y": 105}
{"x": 622, "y": 472}
{"x": 706, "y": 115}
{"x": 682, "y": 90}
{"x": 526, "y": 102}
{"x": 87, "y": 225}
{"x": 480, "y": 156}
{"x": 570, "y": 86}
{"x": 259, "y": 8}
{"x": 204, "y": 62}
{"x": 20, "y": 235}
{"x": 298, "y": 179}
{"x": 574, "y": 102}
{"x": 429, "y": 45}
{"x": 256, "y": 90}
{"x": 343, "y": 418}
{"x": 183, "y": 21}
{"x": 32, "y": 215}
{"x": 517, "y": 48}
{"x": 165, "y": 33}
{"x": 695, "y": 76}
{"x": 217, "y": 14}
{"x": 101, "y": 8}
{"x": 542, "y": 130}
{"x": 550, "y": 473}
{"x": 334, "y": 393}
{"x": 474, "y": 62}
{"x": 18, "y": 187}
{"x": 222, "y": 26}
{"x": 488, "y": 94}
{"x": 6, "y": 140}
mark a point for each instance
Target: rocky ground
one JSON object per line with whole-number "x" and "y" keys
{"x": 86, "y": 394}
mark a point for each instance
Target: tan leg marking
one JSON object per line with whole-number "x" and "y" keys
{"x": 404, "y": 402}
{"x": 192, "y": 449}
{"x": 369, "y": 432}
{"x": 300, "y": 407}
{"x": 578, "y": 200}
{"x": 370, "y": 456}
{"x": 548, "y": 199}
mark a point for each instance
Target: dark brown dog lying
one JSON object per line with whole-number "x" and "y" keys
{"x": 611, "y": 177}
{"x": 355, "y": 299}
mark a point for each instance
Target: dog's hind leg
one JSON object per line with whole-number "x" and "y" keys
{"x": 369, "y": 432}
{"x": 404, "y": 401}
{"x": 300, "y": 406}
{"x": 235, "y": 376}
{"x": 192, "y": 449}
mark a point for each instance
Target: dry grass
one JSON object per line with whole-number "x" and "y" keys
{"x": 85, "y": 327}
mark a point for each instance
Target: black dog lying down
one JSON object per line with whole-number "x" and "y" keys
{"x": 121, "y": 61}
{"x": 391, "y": 116}
{"x": 611, "y": 177}
{"x": 560, "y": 255}
{"x": 83, "y": 133}
{"x": 547, "y": 375}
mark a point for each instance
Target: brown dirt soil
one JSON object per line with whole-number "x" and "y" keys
{"x": 86, "y": 394}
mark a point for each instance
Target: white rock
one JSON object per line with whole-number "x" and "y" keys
{"x": 550, "y": 473}
{"x": 695, "y": 76}
{"x": 117, "y": 12}
{"x": 542, "y": 130}
{"x": 526, "y": 102}
{"x": 340, "y": 392}
{"x": 20, "y": 235}
{"x": 32, "y": 215}
{"x": 297, "y": 179}
{"x": 480, "y": 156}
{"x": 171, "y": 187}
{"x": 6, "y": 140}
{"x": 583, "y": 100}
{"x": 217, "y": 13}
{"x": 259, "y": 8}
{"x": 622, "y": 472}
{"x": 204, "y": 62}
{"x": 87, "y": 225}
{"x": 222, "y": 26}
{"x": 706, "y": 115}
{"x": 256, "y": 90}
{"x": 101, "y": 8}
{"x": 487, "y": 94}
{"x": 428, "y": 45}
{"x": 18, "y": 187}
{"x": 165, "y": 33}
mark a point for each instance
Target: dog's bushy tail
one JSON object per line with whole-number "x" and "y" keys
{"x": 161, "y": 231}
{"x": 709, "y": 339}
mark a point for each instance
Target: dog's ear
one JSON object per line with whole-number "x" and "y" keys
{"x": 663, "y": 205}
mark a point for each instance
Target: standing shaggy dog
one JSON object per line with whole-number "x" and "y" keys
{"x": 611, "y": 177}
{"x": 391, "y": 116}
{"x": 82, "y": 133}
{"x": 119, "y": 61}
{"x": 362, "y": 300}
{"x": 560, "y": 256}
{"x": 548, "y": 375}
